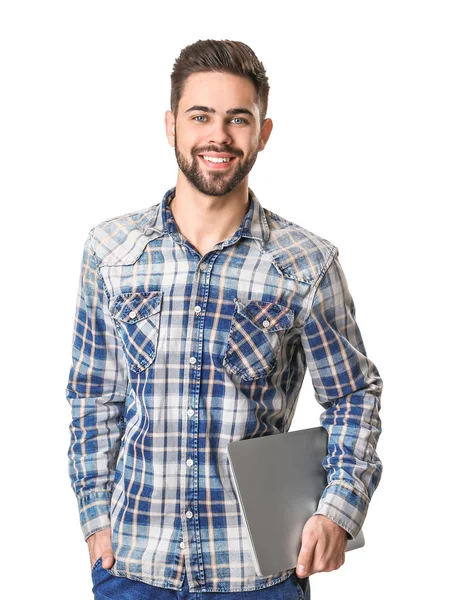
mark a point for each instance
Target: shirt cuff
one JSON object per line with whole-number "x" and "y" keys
{"x": 344, "y": 505}
{"x": 94, "y": 512}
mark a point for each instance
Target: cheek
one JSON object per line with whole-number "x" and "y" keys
{"x": 249, "y": 146}
{"x": 249, "y": 152}
{"x": 187, "y": 139}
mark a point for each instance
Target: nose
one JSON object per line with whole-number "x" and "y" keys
{"x": 219, "y": 134}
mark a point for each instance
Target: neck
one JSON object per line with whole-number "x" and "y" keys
{"x": 206, "y": 220}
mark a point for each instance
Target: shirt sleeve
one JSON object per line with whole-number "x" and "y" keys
{"x": 96, "y": 392}
{"x": 348, "y": 386}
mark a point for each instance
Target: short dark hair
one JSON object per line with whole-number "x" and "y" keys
{"x": 222, "y": 56}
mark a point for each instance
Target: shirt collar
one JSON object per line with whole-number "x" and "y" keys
{"x": 254, "y": 224}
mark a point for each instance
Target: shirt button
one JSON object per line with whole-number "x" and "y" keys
{"x": 197, "y": 309}
{"x": 181, "y": 544}
{"x": 189, "y": 514}
{"x": 193, "y": 360}
{"x": 266, "y": 323}
{"x": 148, "y": 231}
{"x": 132, "y": 314}
{"x": 203, "y": 267}
{"x": 189, "y": 462}
{"x": 190, "y": 412}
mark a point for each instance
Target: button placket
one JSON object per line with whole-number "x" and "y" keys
{"x": 200, "y": 286}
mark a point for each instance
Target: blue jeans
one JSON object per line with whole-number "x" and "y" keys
{"x": 107, "y": 587}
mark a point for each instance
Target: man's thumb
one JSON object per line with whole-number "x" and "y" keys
{"x": 304, "y": 562}
{"x": 107, "y": 559}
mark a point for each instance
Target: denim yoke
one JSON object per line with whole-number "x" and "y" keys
{"x": 176, "y": 355}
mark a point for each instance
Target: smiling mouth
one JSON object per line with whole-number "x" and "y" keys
{"x": 217, "y": 165}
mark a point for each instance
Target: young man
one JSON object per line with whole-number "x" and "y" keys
{"x": 196, "y": 320}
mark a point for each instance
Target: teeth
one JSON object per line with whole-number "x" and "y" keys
{"x": 216, "y": 160}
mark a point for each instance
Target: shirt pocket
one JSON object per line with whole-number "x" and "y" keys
{"x": 255, "y": 335}
{"x": 137, "y": 318}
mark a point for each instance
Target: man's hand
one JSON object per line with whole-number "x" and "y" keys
{"x": 322, "y": 546}
{"x": 100, "y": 544}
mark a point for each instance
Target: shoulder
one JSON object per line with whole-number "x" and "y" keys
{"x": 298, "y": 252}
{"x": 120, "y": 238}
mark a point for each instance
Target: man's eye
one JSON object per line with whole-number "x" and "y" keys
{"x": 199, "y": 117}
{"x": 239, "y": 119}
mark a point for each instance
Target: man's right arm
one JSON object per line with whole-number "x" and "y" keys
{"x": 96, "y": 392}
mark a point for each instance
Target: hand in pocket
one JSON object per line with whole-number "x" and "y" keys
{"x": 100, "y": 545}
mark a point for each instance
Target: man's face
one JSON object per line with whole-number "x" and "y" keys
{"x": 217, "y": 114}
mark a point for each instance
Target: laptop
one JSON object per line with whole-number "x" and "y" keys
{"x": 279, "y": 480}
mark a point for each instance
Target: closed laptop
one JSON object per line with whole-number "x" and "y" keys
{"x": 279, "y": 480}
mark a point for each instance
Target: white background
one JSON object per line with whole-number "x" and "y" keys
{"x": 361, "y": 153}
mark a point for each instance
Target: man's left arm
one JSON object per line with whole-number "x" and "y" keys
{"x": 348, "y": 386}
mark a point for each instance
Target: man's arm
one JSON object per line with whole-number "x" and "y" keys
{"x": 348, "y": 386}
{"x": 96, "y": 391}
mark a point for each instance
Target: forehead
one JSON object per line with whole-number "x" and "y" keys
{"x": 221, "y": 91}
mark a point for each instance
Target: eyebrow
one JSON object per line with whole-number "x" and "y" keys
{"x": 231, "y": 111}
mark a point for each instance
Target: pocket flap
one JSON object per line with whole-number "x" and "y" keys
{"x": 268, "y": 316}
{"x": 133, "y": 307}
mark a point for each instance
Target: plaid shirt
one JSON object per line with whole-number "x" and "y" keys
{"x": 176, "y": 354}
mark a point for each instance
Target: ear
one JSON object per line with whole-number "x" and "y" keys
{"x": 170, "y": 127}
{"x": 265, "y": 133}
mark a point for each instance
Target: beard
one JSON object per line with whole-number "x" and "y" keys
{"x": 214, "y": 183}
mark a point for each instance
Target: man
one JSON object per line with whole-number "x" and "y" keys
{"x": 196, "y": 320}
